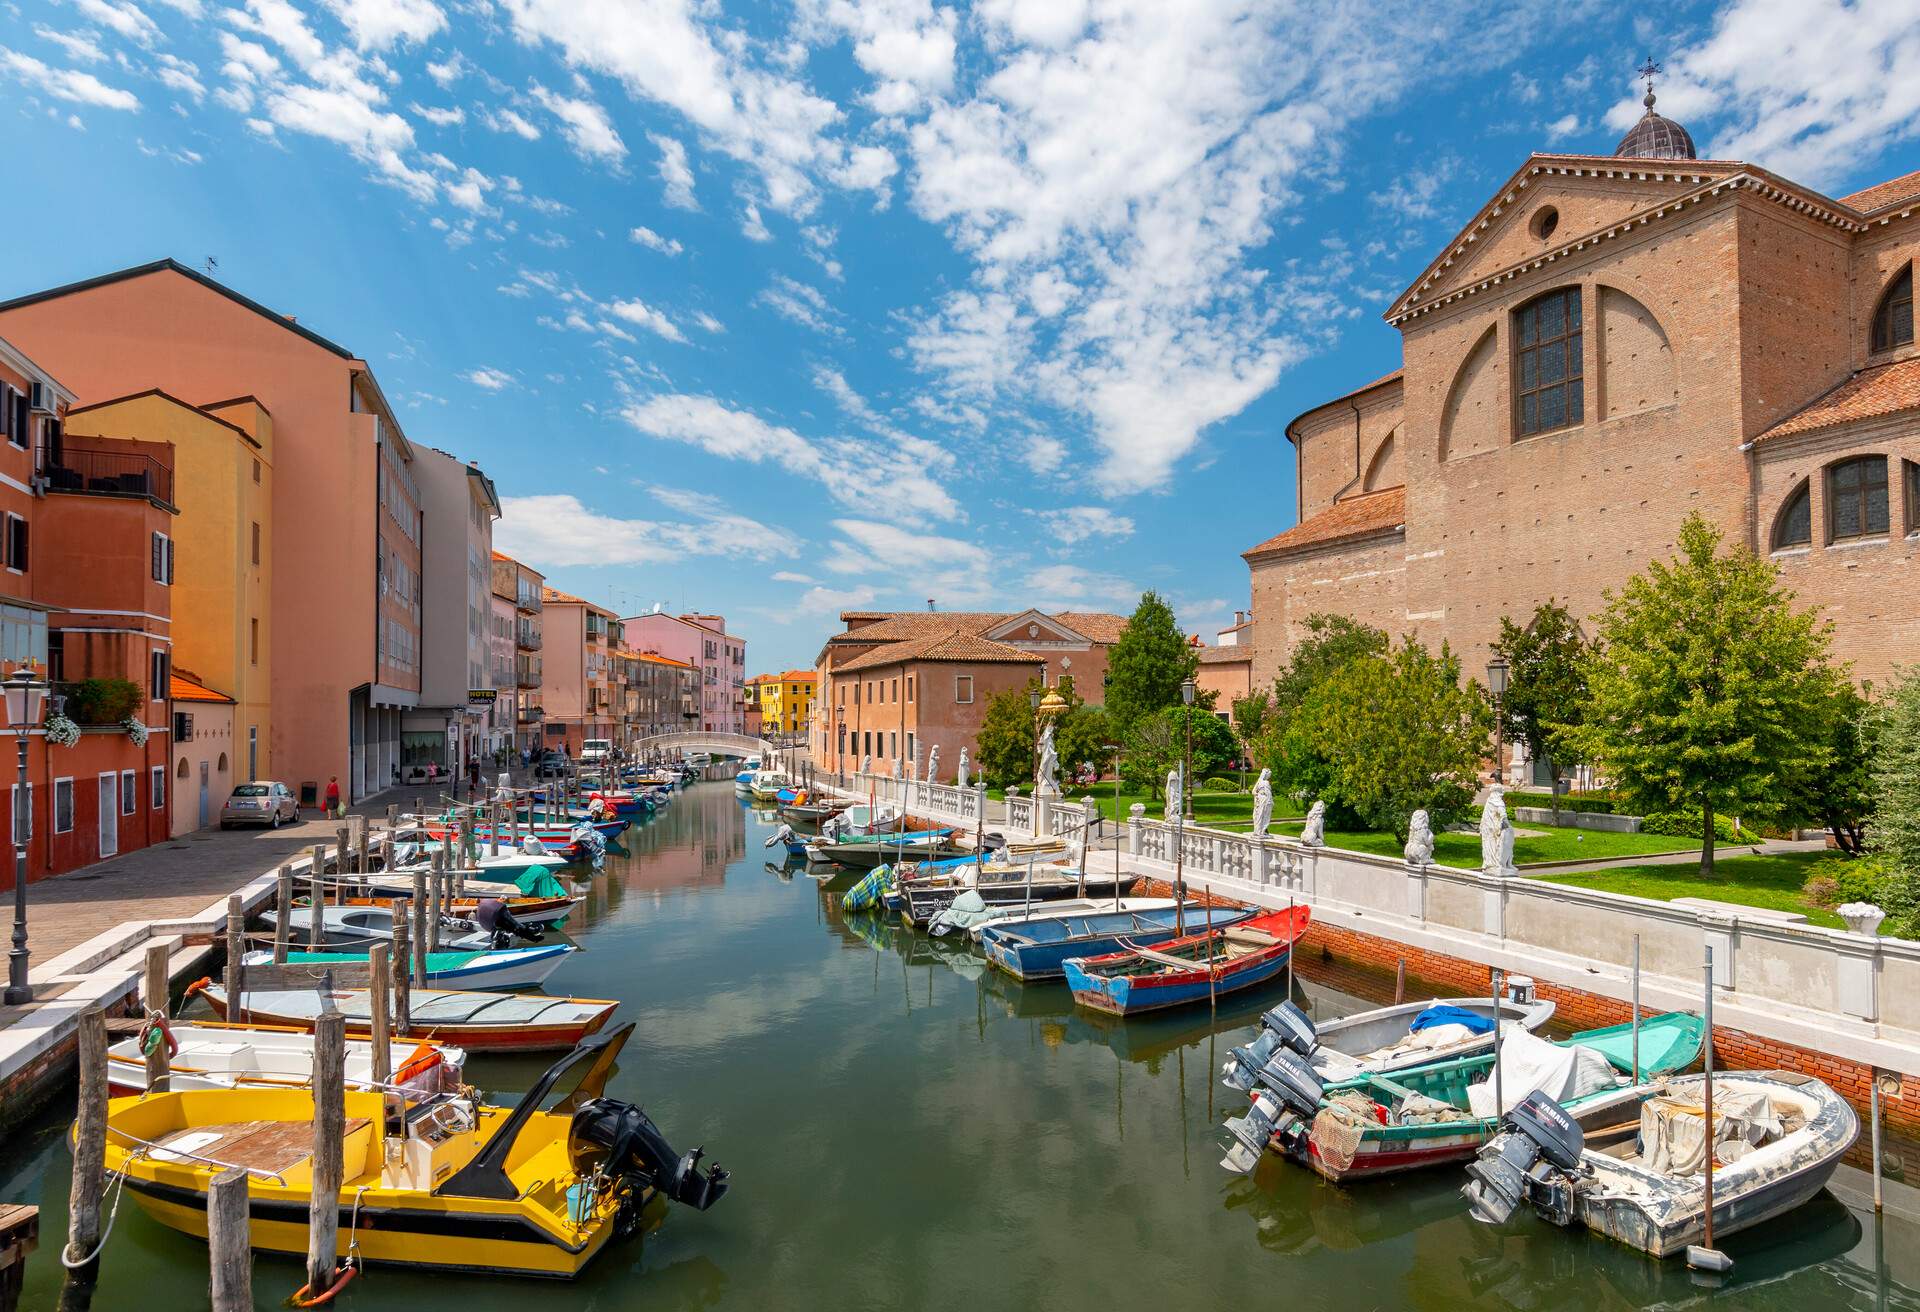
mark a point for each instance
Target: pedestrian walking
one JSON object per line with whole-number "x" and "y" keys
{"x": 334, "y": 809}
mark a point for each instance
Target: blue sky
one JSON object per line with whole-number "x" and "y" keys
{"x": 777, "y": 310}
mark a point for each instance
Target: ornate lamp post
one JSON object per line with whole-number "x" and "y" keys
{"x": 26, "y": 695}
{"x": 1497, "y": 685}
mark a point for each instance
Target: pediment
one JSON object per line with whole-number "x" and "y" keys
{"x": 1034, "y": 626}
{"x": 1588, "y": 195}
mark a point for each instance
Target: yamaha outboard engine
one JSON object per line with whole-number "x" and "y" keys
{"x": 494, "y": 917}
{"x": 1283, "y": 1026}
{"x": 1283, "y": 1109}
{"x": 617, "y": 1139}
{"x": 1533, "y": 1159}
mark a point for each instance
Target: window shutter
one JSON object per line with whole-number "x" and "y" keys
{"x": 17, "y": 543}
{"x": 156, "y": 558}
{"x": 169, "y": 561}
{"x": 6, "y": 409}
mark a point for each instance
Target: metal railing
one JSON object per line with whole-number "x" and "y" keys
{"x": 111, "y": 473}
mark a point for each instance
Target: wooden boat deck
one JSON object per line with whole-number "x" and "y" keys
{"x": 274, "y": 1147}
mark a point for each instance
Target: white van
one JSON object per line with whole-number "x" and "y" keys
{"x": 594, "y": 751}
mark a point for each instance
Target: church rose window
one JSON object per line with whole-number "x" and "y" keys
{"x": 1893, "y": 321}
{"x": 1550, "y": 392}
{"x": 1857, "y": 498}
{"x": 1795, "y": 525}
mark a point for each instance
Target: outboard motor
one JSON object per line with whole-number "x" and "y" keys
{"x": 617, "y": 1139}
{"x": 1283, "y": 1109}
{"x": 492, "y": 916}
{"x": 784, "y": 834}
{"x": 1283, "y": 1026}
{"x": 993, "y": 843}
{"x": 1533, "y": 1159}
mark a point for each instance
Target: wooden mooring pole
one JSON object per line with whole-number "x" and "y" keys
{"x": 89, "y": 1150}
{"x": 229, "y": 1243}
{"x": 380, "y": 963}
{"x": 420, "y": 928}
{"x": 283, "y": 918}
{"x": 402, "y": 965}
{"x": 329, "y": 1130}
{"x": 236, "y": 959}
{"x": 317, "y": 900}
{"x": 155, "y": 996}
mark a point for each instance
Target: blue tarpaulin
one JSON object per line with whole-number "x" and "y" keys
{"x": 1444, "y": 1015}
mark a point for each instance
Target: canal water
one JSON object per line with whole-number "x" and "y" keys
{"x": 908, "y": 1130}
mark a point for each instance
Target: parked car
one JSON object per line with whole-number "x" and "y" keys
{"x": 262, "y": 802}
{"x": 553, "y": 765}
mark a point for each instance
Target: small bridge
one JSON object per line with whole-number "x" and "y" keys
{"x": 693, "y": 740}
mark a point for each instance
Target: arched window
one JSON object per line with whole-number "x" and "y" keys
{"x": 1893, "y": 320}
{"x": 222, "y": 767}
{"x": 1794, "y": 527}
{"x": 1549, "y": 390}
{"x": 1857, "y": 499}
{"x": 182, "y": 771}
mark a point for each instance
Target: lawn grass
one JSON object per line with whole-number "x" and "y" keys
{"x": 1217, "y": 810}
{"x": 1756, "y": 881}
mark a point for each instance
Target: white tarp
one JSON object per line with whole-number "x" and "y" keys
{"x": 1529, "y": 1064}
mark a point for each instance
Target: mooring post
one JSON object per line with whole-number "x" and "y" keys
{"x": 436, "y": 903}
{"x": 329, "y": 1129}
{"x": 317, "y": 901}
{"x": 236, "y": 959}
{"x": 402, "y": 965}
{"x": 229, "y": 1244}
{"x": 1400, "y": 982}
{"x": 283, "y": 917}
{"x": 420, "y": 928}
{"x": 342, "y": 844}
{"x": 155, "y": 995}
{"x": 89, "y": 1148}
{"x": 379, "y": 997}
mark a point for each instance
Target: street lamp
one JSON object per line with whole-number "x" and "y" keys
{"x": 1497, "y": 685}
{"x": 1033, "y": 766}
{"x": 1187, "y": 690}
{"x": 25, "y": 697}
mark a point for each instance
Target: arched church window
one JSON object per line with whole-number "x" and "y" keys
{"x": 1794, "y": 527}
{"x": 1913, "y": 497}
{"x": 1857, "y": 498}
{"x": 1550, "y": 390}
{"x": 1893, "y": 320}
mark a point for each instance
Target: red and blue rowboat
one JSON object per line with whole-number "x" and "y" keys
{"x": 1187, "y": 970}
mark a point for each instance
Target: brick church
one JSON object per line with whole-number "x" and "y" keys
{"x": 1611, "y": 342}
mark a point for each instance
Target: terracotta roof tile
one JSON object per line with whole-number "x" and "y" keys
{"x": 183, "y": 688}
{"x": 952, "y": 644}
{"x": 1890, "y": 192}
{"x": 1355, "y": 517}
{"x": 1224, "y": 655}
{"x": 893, "y": 626}
{"x": 1885, "y": 389}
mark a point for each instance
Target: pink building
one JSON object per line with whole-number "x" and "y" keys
{"x": 703, "y": 642}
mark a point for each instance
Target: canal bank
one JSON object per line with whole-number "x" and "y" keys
{"x": 907, "y": 1128}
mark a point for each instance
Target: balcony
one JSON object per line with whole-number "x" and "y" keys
{"x": 112, "y": 474}
{"x": 526, "y": 676}
{"x": 530, "y": 714}
{"x": 527, "y": 639}
{"x": 528, "y": 601}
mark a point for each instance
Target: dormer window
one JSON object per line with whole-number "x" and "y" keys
{"x": 1893, "y": 320}
{"x": 1549, "y": 389}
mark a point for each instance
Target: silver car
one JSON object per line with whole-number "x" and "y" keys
{"x": 261, "y": 802}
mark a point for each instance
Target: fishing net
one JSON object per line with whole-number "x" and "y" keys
{"x": 1340, "y": 1126}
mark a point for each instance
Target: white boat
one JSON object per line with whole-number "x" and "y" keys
{"x": 218, "y": 1056}
{"x": 970, "y": 913}
{"x": 767, "y": 784}
{"x": 1777, "y": 1137}
{"x": 451, "y": 968}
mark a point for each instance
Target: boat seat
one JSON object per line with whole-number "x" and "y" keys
{"x": 1243, "y": 934}
{"x": 1399, "y": 1092}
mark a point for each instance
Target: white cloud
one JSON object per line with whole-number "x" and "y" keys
{"x": 922, "y": 564}
{"x": 557, "y": 530}
{"x": 1563, "y": 127}
{"x": 1044, "y": 454}
{"x": 493, "y": 380}
{"x": 707, "y": 323}
{"x": 377, "y": 24}
{"x": 653, "y": 241}
{"x": 751, "y": 226}
{"x": 638, "y": 312}
{"x": 506, "y": 120}
{"x": 470, "y": 192}
{"x": 179, "y": 75}
{"x": 447, "y": 117}
{"x": 80, "y": 46}
{"x": 1064, "y": 587}
{"x": 789, "y": 576}
{"x": 805, "y": 305}
{"x": 584, "y": 124}
{"x": 65, "y": 83}
{"x": 1074, "y": 524}
{"x": 449, "y": 70}
{"x": 1807, "y": 88}
{"x": 124, "y": 17}
{"x": 675, "y": 173}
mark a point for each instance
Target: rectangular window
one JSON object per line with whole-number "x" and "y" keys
{"x": 162, "y": 558}
{"x": 1913, "y": 498}
{"x": 63, "y": 806}
{"x": 129, "y": 793}
{"x": 1549, "y": 388}
{"x": 1857, "y": 499}
{"x": 253, "y": 641}
{"x": 896, "y": 691}
{"x": 256, "y": 471}
{"x": 157, "y": 681}
{"x": 256, "y": 542}
{"x": 159, "y": 797}
{"x": 16, "y": 544}
{"x": 6, "y": 416}
{"x": 963, "y": 687}
{"x": 909, "y": 687}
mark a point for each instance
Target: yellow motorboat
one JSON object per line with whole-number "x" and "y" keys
{"x": 443, "y": 1181}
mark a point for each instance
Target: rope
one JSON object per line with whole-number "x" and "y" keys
{"x": 300, "y": 1299}
{"x": 119, "y": 1191}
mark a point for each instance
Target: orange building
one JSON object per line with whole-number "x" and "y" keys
{"x": 87, "y": 551}
{"x": 345, "y": 551}
{"x": 577, "y": 683}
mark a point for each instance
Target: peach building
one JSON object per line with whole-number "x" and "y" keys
{"x": 343, "y": 554}
{"x": 523, "y": 587}
{"x": 206, "y": 764}
{"x": 577, "y": 683}
{"x": 703, "y": 642}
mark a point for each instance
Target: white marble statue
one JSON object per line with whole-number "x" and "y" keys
{"x": 866, "y": 764}
{"x": 1046, "y": 776}
{"x": 1420, "y": 840}
{"x": 963, "y": 767}
{"x": 933, "y": 764}
{"x": 1496, "y": 835}
{"x": 1173, "y": 795}
{"x": 1263, "y": 804}
{"x": 1314, "y": 832}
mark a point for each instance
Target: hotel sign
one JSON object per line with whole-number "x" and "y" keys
{"x": 482, "y": 696}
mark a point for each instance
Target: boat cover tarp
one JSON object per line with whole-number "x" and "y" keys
{"x": 1530, "y": 1064}
{"x": 1446, "y": 1014}
{"x": 1673, "y": 1128}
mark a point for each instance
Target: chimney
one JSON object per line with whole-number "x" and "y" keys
{"x": 929, "y": 603}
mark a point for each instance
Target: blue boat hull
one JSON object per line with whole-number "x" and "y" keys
{"x": 1128, "y": 995}
{"x": 1029, "y": 961}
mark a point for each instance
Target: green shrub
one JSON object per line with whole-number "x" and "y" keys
{"x": 1219, "y": 784}
{"x": 1842, "y": 879}
{"x": 102, "y": 701}
{"x": 1686, "y": 824}
{"x": 1592, "y": 803}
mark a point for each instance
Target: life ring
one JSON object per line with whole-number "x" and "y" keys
{"x": 157, "y": 1026}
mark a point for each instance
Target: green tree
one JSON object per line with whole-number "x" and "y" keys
{"x": 1148, "y": 664}
{"x": 1709, "y": 691}
{"x": 1841, "y": 796}
{"x": 1080, "y": 733}
{"x": 1393, "y": 733}
{"x": 1250, "y": 715}
{"x": 1546, "y": 686}
{"x": 1894, "y": 831}
{"x": 1331, "y": 641}
{"x": 1158, "y": 743}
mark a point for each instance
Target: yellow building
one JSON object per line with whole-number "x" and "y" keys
{"x": 786, "y": 701}
{"x": 223, "y": 539}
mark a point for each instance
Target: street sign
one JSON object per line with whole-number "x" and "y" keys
{"x": 482, "y": 696}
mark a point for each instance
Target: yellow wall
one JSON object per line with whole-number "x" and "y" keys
{"x": 217, "y": 589}
{"x": 785, "y": 705}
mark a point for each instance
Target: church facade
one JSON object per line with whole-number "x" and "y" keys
{"x": 1611, "y": 343}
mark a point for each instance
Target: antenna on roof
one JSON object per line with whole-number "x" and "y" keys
{"x": 929, "y": 603}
